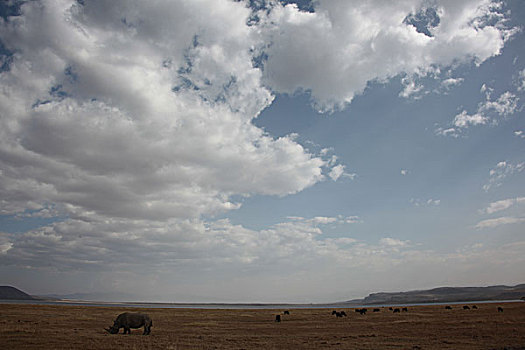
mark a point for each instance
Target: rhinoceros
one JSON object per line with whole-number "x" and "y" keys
{"x": 129, "y": 320}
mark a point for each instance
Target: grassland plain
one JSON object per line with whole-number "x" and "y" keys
{"x": 422, "y": 327}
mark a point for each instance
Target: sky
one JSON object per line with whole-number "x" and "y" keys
{"x": 262, "y": 150}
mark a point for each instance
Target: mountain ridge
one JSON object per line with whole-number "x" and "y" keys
{"x": 434, "y": 295}
{"x": 446, "y": 294}
{"x": 12, "y": 293}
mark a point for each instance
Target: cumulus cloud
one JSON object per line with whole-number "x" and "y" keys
{"x": 498, "y": 206}
{"x": 89, "y": 243}
{"x": 425, "y": 202}
{"x": 393, "y": 242}
{"x": 447, "y": 84}
{"x": 411, "y": 88}
{"x": 505, "y": 220}
{"x": 135, "y": 111}
{"x": 335, "y": 51}
{"x": 464, "y": 120}
{"x": 183, "y": 259}
{"x": 336, "y": 172}
{"x": 521, "y": 80}
{"x": 503, "y": 204}
{"x": 139, "y": 111}
{"x": 489, "y": 112}
{"x": 130, "y": 124}
{"x": 501, "y": 172}
{"x": 5, "y": 244}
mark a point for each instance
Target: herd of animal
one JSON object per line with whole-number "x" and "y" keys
{"x": 128, "y": 320}
{"x": 364, "y": 311}
{"x": 473, "y": 307}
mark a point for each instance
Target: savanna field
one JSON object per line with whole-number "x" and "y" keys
{"x": 422, "y": 327}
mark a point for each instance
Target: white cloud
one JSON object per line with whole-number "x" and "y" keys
{"x": 503, "y": 204}
{"x": 521, "y": 80}
{"x": 505, "y": 220}
{"x": 131, "y": 123}
{"x": 106, "y": 112}
{"x": 220, "y": 261}
{"x": 425, "y": 203}
{"x": 334, "y": 52}
{"x": 519, "y": 133}
{"x": 393, "y": 242}
{"x": 85, "y": 243}
{"x": 451, "y": 82}
{"x": 500, "y": 173}
{"x": 336, "y": 172}
{"x": 464, "y": 120}
{"x": 5, "y": 244}
{"x": 404, "y": 172}
{"x": 505, "y": 105}
{"x": 411, "y": 88}
{"x": 453, "y": 132}
{"x": 488, "y": 112}
{"x": 128, "y": 110}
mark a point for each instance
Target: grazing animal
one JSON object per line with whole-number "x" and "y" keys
{"x": 448, "y": 308}
{"x": 376, "y": 310}
{"x": 390, "y": 309}
{"x": 334, "y": 312}
{"x": 474, "y": 307}
{"x": 343, "y": 313}
{"x": 466, "y": 307}
{"x": 363, "y": 311}
{"x": 286, "y": 312}
{"x": 129, "y": 320}
{"x": 277, "y": 318}
{"x": 500, "y": 309}
{"x": 338, "y": 314}
{"x": 396, "y": 310}
{"x": 357, "y": 310}
{"x": 404, "y": 309}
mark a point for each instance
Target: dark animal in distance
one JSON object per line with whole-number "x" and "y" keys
{"x": 397, "y": 310}
{"x": 277, "y": 318}
{"x": 343, "y": 313}
{"x": 448, "y": 307}
{"x": 404, "y": 309}
{"x": 500, "y": 309}
{"x": 466, "y": 307}
{"x": 474, "y": 307}
{"x": 390, "y": 309}
{"x": 129, "y": 320}
{"x": 286, "y": 312}
{"x": 376, "y": 310}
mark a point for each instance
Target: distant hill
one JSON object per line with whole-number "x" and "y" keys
{"x": 94, "y": 296}
{"x": 12, "y": 293}
{"x": 447, "y": 294}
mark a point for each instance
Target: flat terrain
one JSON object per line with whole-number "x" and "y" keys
{"x": 422, "y": 327}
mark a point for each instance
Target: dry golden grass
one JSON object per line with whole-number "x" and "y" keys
{"x": 422, "y": 327}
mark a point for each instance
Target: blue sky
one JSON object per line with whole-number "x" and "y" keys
{"x": 261, "y": 151}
